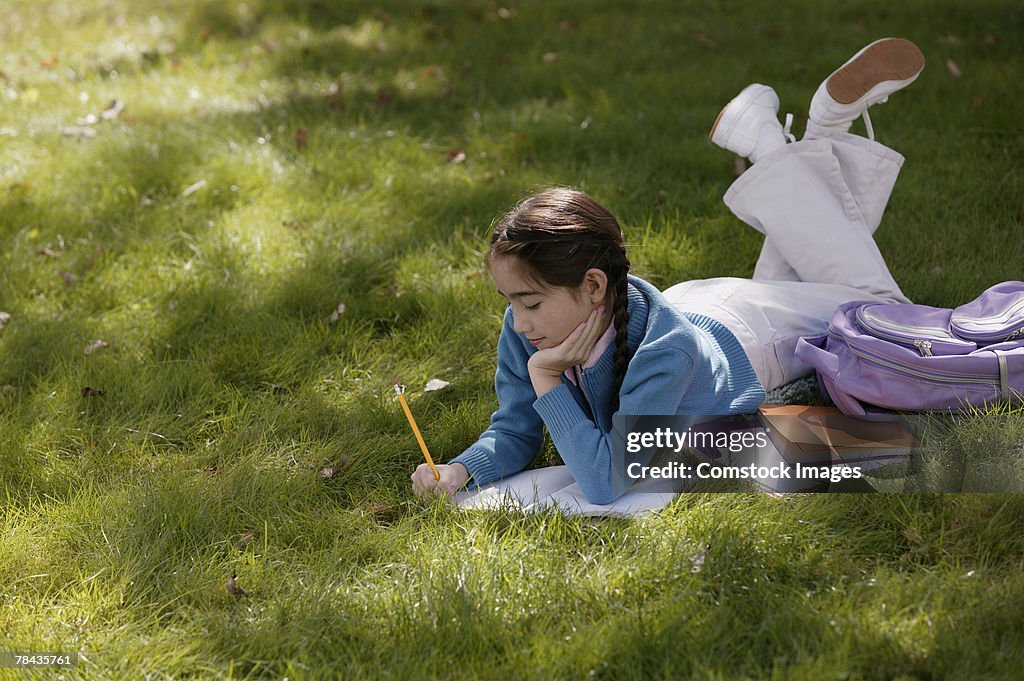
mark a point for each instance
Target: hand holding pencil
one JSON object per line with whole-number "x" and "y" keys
{"x": 428, "y": 477}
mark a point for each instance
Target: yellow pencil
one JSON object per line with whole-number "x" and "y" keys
{"x": 400, "y": 391}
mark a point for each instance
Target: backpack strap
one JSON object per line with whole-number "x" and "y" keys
{"x": 1004, "y": 376}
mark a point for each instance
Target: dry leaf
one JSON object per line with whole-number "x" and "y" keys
{"x": 91, "y": 392}
{"x": 702, "y": 38}
{"x": 456, "y": 156}
{"x": 79, "y": 131}
{"x": 113, "y": 110}
{"x": 245, "y": 539}
{"x": 46, "y": 253}
{"x": 953, "y": 69}
{"x": 697, "y": 562}
{"x": 301, "y": 138}
{"x": 329, "y": 472}
{"x": 338, "y": 311}
{"x": 9, "y": 389}
{"x": 233, "y": 588}
{"x": 193, "y": 188}
{"x": 211, "y": 469}
{"x": 549, "y": 57}
{"x": 49, "y": 62}
{"x": 435, "y": 384}
{"x": 94, "y": 346}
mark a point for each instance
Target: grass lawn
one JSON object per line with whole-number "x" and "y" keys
{"x": 276, "y": 159}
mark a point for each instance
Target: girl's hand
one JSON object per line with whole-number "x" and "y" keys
{"x": 549, "y": 363}
{"x": 453, "y": 478}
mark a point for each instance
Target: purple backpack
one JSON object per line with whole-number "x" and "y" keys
{"x": 914, "y": 357}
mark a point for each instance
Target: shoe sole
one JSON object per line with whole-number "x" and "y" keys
{"x": 888, "y": 59}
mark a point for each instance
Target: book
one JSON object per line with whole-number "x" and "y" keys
{"x": 554, "y": 486}
{"x": 824, "y": 434}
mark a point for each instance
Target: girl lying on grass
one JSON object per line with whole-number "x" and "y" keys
{"x": 583, "y": 339}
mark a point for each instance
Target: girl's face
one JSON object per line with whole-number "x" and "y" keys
{"x": 544, "y": 315}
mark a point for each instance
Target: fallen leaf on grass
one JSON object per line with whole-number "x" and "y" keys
{"x": 233, "y": 588}
{"x": 113, "y": 110}
{"x": 245, "y": 539}
{"x": 301, "y": 138}
{"x": 549, "y": 57}
{"x": 9, "y": 389}
{"x": 46, "y": 253}
{"x": 435, "y": 384}
{"x": 49, "y": 62}
{"x": 95, "y": 345}
{"x": 953, "y": 69}
{"x": 91, "y": 392}
{"x": 193, "y": 188}
{"x": 697, "y": 562}
{"x": 84, "y": 124}
{"x": 330, "y": 471}
{"x": 338, "y": 311}
{"x": 456, "y": 156}
{"x": 702, "y": 38}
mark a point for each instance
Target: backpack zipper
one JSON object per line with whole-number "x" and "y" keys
{"x": 980, "y": 336}
{"x": 923, "y": 345}
{"x": 944, "y": 377}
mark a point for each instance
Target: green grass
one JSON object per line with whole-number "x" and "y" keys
{"x": 226, "y": 387}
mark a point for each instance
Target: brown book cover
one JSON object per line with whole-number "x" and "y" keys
{"x": 805, "y": 433}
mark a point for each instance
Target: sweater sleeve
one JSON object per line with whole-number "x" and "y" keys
{"x": 591, "y": 453}
{"x": 516, "y": 431}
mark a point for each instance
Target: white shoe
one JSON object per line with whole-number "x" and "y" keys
{"x": 869, "y": 77}
{"x": 749, "y": 125}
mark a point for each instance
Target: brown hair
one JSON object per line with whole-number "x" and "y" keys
{"x": 556, "y": 236}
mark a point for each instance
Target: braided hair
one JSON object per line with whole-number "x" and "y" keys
{"x": 559, "y": 234}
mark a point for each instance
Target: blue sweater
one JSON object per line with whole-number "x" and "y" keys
{"x": 682, "y": 363}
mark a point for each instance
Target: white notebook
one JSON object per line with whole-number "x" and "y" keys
{"x": 543, "y": 488}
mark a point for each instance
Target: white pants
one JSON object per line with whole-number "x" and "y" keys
{"x": 818, "y": 202}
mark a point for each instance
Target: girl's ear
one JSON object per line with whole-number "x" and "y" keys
{"x": 595, "y": 285}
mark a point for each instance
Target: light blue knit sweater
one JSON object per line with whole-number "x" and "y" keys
{"x": 682, "y": 363}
